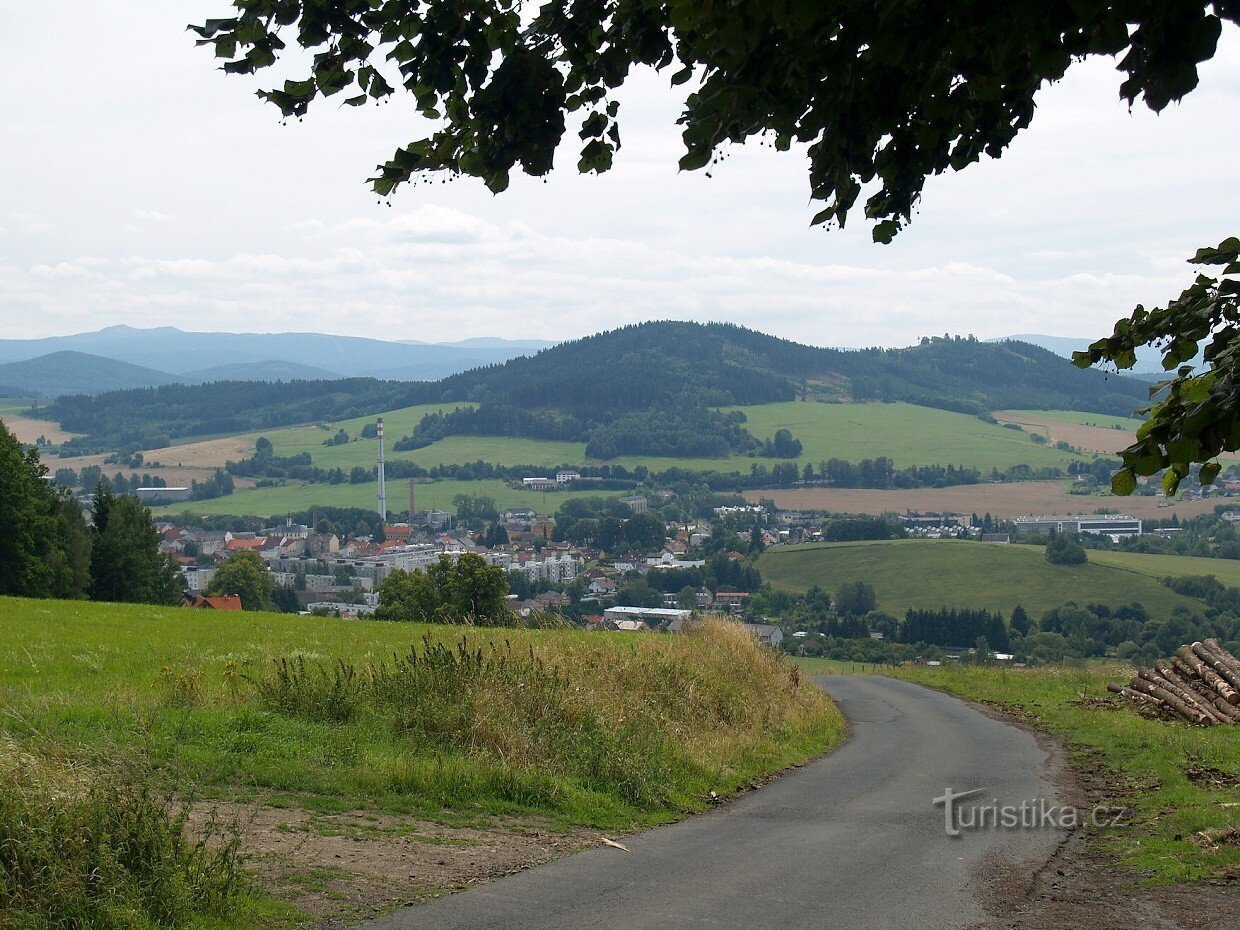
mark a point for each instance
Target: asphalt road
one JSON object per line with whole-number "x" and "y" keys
{"x": 851, "y": 840}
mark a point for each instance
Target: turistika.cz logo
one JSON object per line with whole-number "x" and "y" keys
{"x": 1033, "y": 814}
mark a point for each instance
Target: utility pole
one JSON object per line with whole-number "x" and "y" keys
{"x": 382, "y": 481}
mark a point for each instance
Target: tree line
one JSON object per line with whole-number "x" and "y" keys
{"x": 48, "y": 550}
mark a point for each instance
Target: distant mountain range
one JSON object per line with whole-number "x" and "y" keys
{"x": 1149, "y": 360}
{"x": 121, "y": 357}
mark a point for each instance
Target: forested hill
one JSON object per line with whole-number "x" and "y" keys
{"x": 636, "y": 366}
{"x": 651, "y": 388}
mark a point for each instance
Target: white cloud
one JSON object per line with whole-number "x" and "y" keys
{"x": 202, "y": 211}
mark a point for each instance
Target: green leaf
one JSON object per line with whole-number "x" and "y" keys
{"x": 1123, "y": 482}
{"x": 1209, "y": 472}
{"x": 693, "y": 160}
{"x": 1170, "y": 481}
{"x": 885, "y": 231}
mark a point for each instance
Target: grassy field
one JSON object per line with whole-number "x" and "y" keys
{"x": 1161, "y": 566}
{"x": 908, "y": 434}
{"x": 438, "y": 494}
{"x": 937, "y": 573}
{"x": 517, "y": 723}
{"x": 1144, "y": 764}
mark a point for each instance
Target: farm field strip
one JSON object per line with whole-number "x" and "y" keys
{"x": 1009, "y": 499}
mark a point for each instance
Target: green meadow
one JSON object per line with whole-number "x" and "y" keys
{"x": 939, "y": 572}
{"x": 196, "y": 694}
{"x": 905, "y": 433}
{"x": 293, "y": 497}
{"x": 111, "y": 708}
{"x": 1162, "y": 566}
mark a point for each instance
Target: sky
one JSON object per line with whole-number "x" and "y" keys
{"x": 140, "y": 185}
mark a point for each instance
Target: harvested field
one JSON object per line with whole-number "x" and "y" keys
{"x": 28, "y": 429}
{"x": 1098, "y": 439}
{"x": 210, "y": 453}
{"x": 1000, "y": 500}
{"x": 175, "y": 476}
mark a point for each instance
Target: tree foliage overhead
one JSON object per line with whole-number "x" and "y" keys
{"x": 1196, "y": 415}
{"x": 879, "y": 95}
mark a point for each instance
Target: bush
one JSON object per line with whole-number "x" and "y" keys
{"x": 100, "y": 849}
{"x": 1063, "y": 550}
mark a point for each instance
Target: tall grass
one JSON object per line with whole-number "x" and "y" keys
{"x": 98, "y": 848}
{"x": 654, "y": 726}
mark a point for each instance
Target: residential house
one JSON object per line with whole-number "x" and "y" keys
{"x": 222, "y": 602}
{"x": 766, "y": 632}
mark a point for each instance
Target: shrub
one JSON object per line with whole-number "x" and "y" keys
{"x": 1063, "y": 550}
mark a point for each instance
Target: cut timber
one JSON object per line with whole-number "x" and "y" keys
{"x": 1213, "y": 655}
{"x": 1208, "y": 675}
{"x": 1193, "y": 713}
{"x": 1199, "y": 684}
{"x": 1180, "y": 690}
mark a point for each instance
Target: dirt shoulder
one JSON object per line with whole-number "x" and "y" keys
{"x": 343, "y": 868}
{"x": 1082, "y": 886}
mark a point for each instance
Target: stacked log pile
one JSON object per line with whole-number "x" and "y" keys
{"x": 1200, "y": 684}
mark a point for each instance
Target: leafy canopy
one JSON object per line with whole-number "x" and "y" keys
{"x": 884, "y": 94}
{"x": 1196, "y": 416}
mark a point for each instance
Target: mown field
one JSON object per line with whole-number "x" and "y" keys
{"x": 330, "y": 716}
{"x": 438, "y": 494}
{"x": 1178, "y": 780}
{"x": 937, "y": 573}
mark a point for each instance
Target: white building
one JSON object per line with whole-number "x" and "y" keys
{"x": 566, "y": 477}
{"x": 1097, "y": 524}
{"x": 651, "y": 615}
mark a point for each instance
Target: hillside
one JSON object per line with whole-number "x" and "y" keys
{"x": 938, "y": 573}
{"x": 650, "y": 389}
{"x": 70, "y": 372}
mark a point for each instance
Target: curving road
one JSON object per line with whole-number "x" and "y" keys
{"x": 851, "y": 840}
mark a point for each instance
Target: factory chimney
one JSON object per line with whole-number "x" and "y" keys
{"x": 382, "y": 482}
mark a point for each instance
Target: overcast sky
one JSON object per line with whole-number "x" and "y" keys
{"x": 140, "y": 185}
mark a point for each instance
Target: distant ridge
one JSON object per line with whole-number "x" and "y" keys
{"x": 269, "y": 370}
{"x": 186, "y": 354}
{"x": 69, "y": 372}
{"x": 1149, "y": 360}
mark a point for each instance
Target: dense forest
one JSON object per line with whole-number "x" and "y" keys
{"x": 651, "y": 388}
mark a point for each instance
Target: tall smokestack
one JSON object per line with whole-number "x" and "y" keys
{"x": 382, "y": 481}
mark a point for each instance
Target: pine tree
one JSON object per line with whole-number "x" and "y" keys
{"x": 126, "y": 564}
